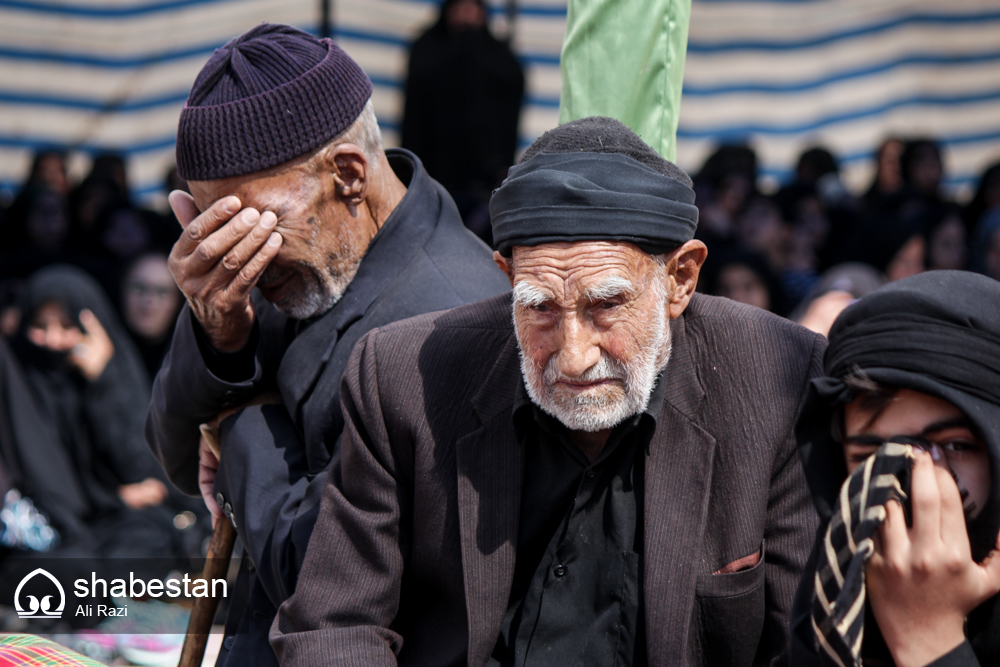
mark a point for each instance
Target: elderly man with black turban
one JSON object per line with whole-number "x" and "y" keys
{"x": 901, "y": 446}
{"x": 292, "y": 193}
{"x": 608, "y": 477}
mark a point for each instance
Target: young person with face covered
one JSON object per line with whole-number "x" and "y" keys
{"x": 596, "y": 470}
{"x": 913, "y": 363}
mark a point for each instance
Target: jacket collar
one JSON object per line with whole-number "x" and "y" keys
{"x": 678, "y": 480}
{"x": 490, "y": 466}
{"x": 678, "y": 474}
{"x": 500, "y": 390}
{"x": 404, "y": 233}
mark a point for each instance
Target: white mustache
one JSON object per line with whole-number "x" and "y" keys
{"x": 607, "y": 368}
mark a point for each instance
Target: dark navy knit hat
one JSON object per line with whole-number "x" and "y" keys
{"x": 268, "y": 96}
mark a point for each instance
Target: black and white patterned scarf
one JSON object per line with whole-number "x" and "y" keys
{"x": 838, "y": 606}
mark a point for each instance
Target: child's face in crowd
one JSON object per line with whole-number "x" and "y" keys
{"x": 915, "y": 415}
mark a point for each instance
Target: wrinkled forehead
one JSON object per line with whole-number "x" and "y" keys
{"x": 571, "y": 269}
{"x": 261, "y": 189}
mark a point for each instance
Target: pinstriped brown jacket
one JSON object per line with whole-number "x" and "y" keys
{"x": 413, "y": 554}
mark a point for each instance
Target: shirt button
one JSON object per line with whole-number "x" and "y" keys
{"x": 591, "y": 473}
{"x": 559, "y": 570}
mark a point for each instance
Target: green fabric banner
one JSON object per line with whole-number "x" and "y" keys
{"x": 625, "y": 59}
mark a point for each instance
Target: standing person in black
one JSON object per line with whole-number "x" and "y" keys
{"x": 291, "y": 192}
{"x": 463, "y": 102}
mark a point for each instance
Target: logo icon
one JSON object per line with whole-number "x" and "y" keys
{"x": 36, "y": 608}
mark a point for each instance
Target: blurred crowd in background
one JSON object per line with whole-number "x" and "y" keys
{"x": 784, "y": 250}
{"x": 778, "y": 251}
{"x": 88, "y": 304}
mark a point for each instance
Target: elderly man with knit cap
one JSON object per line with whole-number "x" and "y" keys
{"x": 597, "y": 470}
{"x": 292, "y": 194}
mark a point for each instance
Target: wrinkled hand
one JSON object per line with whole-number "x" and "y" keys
{"x": 95, "y": 349}
{"x": 208, "y": 466}
{"x": 210, "y": 450}
{"x": 147, "y": 493}
{"x": 922, "y": 581}
{"x": 218, "y": 260}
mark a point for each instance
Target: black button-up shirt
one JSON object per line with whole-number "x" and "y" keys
{"x": 576, "y": 597}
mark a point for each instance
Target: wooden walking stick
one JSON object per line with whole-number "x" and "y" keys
{"x": 220, "y": 550}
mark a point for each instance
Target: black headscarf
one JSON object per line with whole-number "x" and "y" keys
{"x": 937, "y": 333}
{"x": 584, "y": 196}
{"x": 31, "y": 454}
{"x": 99, "y": 423}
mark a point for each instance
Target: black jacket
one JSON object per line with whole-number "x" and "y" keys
{"x": 274, "y": 461}
{"x": 414, "y": 553}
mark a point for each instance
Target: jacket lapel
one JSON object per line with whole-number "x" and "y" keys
{"x": 678, "y": 480}
{"x": 490, "y": 464}
{"x": 404, "y": 233}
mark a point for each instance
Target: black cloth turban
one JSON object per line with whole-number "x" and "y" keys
{"x": 937, "y": 333}
{"x": 556, "y": 197}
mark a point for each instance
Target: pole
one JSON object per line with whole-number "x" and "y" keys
{"x": 511, "y": 11}
{"x": 220, "y": 550}
{"x": 325, "y": 18}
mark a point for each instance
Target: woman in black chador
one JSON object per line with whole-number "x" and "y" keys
{"x": 98, "y": 483}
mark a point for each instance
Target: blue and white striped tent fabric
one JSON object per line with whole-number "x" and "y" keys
{"x": 92, "y": 75}
{"x": 846, "y": 74}
{"x": 783, "y": 74}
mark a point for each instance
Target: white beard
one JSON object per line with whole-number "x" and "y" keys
{"x": 606, "y": 406}
{"x": 322, "y": 292}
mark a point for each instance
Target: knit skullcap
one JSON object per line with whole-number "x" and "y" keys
{"x": 267, "y": 97}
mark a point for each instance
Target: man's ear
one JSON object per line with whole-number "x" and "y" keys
{"x": 506, "y": 265}
{"x": 683, "y": 267}
{"x": 350, "y": 170}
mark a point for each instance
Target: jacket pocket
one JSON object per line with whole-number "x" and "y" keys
{"x": 734, "y": 584}
{"x": 729, "y": 617}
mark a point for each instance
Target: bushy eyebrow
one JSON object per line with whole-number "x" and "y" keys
{"x": 611, "y": 287}
{"x": 944, "y": 425}
{"x": 528, "y": 295}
